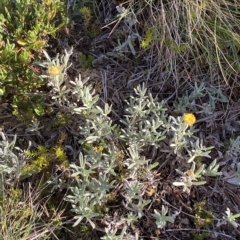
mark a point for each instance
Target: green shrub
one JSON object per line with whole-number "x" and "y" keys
{"x": 24, "y": 29}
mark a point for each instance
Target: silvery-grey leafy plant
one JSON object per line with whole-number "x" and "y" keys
{"x": 34, "y": 126}
{"x": 84, "y": 93}
{"x": 135, "y": 161}
{"x": 198, "y": 150}
{"x": 161, "y": 218}
{"x": 190, "y": 178}
{"x": 138, "y": 207}
{"x": 134, "y": 199}
{"x": 93, "y": 184}
{"x": 87, "y": 196}
{"x": 133, "y": 190}
{"x": 9, "y": 162}
{"x": 131, "y": 219}
{"x": 112, "y": 235}
{"x": 98, "y": 129}
{"x": 230, "y": 218}
{"x": 212, "y": 170}
{"x": 181, "y": 134}
{"x": 208, "y": 95}
{"x": 83, "y": 203}
{"x": 145, "y": 121}
{"x": 59, "y": 89}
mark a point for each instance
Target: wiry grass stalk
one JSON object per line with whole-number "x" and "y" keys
{"x": 21, "y": 216}
{"x": 194, "y": 33}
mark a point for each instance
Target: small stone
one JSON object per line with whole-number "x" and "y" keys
{"x": 185, "y": 221}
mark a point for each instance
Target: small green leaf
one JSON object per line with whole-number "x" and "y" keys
{"x": 2, "y": 91}
{"x": 38, "y": 109}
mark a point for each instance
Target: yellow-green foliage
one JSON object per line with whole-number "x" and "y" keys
{"x": 148, "y": 38}
{"x": 15, "y": 218}
{"x": 42, "y": 158}
{"x": 100, "y": 147}
{"x": 21, "y": 216}
{"x": 62, "y": 120}
{"x": 103, "y": 147}
{"x": 174, "y": 46}
{"x": 85, "y": 229}
{"x": 151, "y": 36}
{"x": 86, "y": 15}
{"x": 86, "y": 60}
{"x": 91, "y": 25}
{"x": 203, "y": 218}
{"x": 111, "y": 197}
{"x": 14, "y": 194}
{"x": 24, "y": 29}
{"x": 201, "y": 236}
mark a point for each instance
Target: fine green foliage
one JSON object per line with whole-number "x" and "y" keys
{"x": 86, "y": 15}
{"x": 148, "y": 38}
{"x": 24, "y": 30}
{"x": 203, "y": 218}
{"x": 42, "y": 158}
{"x": 86, "y": 60}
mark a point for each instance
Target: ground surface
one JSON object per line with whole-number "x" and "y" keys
{"x": 114, "y": 75}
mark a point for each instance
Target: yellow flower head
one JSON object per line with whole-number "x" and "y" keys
{"x": 151, "y": 192}
{"x": 54, "y": 70}
{"x": 189, "y": 119}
